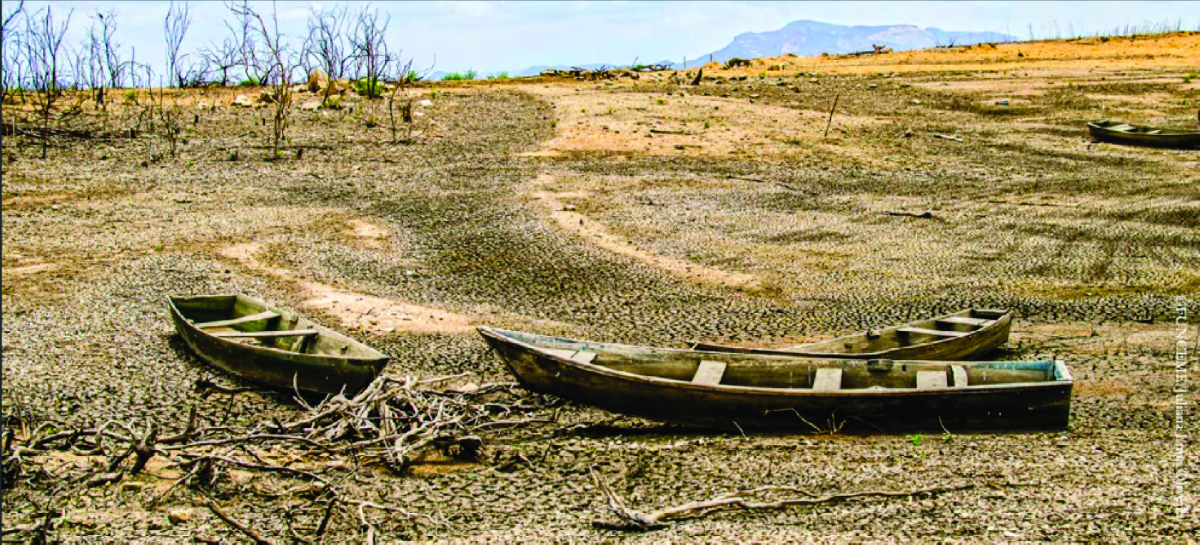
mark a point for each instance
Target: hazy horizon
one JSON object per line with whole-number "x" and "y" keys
{"x": 491, "y": 37}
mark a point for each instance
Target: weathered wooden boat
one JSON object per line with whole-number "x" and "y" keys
{"x": 963, "y": 335}
{"x": 789, "y": 394}
{"x": 244, "y": 336}
{"x": 1134, "y": 135}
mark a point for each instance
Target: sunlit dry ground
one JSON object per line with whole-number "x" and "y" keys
{"x": 639, "y": 211}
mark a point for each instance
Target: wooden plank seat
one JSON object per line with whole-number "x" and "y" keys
{"x": 963, "y": 320}
{"x": 262, "y": 316}
{"x": 709, "y": 373}
{"x": 931, "y": 379}
{"x": 828, "y": 380}
{"x": 960, "y": 375}
{"x": 934, "y": 332}
{"x": 266, "y": 334}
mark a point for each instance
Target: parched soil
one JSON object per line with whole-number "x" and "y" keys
{"x": 631, "y": 211}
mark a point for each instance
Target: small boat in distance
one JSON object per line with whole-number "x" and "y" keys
{"x": 1134, "y": 135}
{"x": 244, "y": 336}
{"x": 790, "y": 394}
{"x": 963, "y": 335}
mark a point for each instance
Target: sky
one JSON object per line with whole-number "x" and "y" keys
{"x": 509, "y": 36}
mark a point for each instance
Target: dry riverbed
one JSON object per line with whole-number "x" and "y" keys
{"x": 637, "y": 211}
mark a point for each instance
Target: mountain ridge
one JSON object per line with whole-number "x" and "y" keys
{"x": 807, "y": 38}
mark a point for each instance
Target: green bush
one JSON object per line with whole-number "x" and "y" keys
{"x": 131, "y": 96}
{"x": 501, "y": 75}
{"x": 1188, "y": 78}
{"x": 412, "y": 75}
{"x": 248, "y": 82}
{"x": 461, "y": 76}
{"x": 365, "y": 87}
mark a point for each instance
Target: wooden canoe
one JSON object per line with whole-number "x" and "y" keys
{"x": 789, "y": 394}
{"x": 246, "y": 337}
{"x": 963, "y": 335}
{"x": 1134, "y": 135}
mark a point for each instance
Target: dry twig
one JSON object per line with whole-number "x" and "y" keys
{"x": 632, "y": 520}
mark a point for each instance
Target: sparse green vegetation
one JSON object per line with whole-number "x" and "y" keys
{"x": 1188, "y": 78}
{"x": 498, "y": 75}
{"x": 370, "y": 89}
{"x": 460, "y": 76}
{"x": 248, "y": 82}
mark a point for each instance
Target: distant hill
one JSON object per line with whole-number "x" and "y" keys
{"x": 808, "y": 38}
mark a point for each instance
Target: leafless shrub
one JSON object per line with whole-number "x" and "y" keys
{"x": 43, "y": 55}
{"x": 327, "y": 44}
{"x": 369, "y": 44}
{"x": 402, "y": 107}
{"x": 283, "y": 61}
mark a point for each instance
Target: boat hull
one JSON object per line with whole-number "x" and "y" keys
{"x": 1034, "y": 406}
{"x": 281, "y": 368}
{"x": 1175, "y": 140}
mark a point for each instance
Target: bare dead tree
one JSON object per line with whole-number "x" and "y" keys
{"x": 175, "y": 27}
{"x": 283, "y": 61}
{"x": 94, "y": 59}
{"x": 43, "y": 55}
{"x": 10, "y": 17}
{"x": 221, "y": 58}
{"x": 369, "y": 43}
{"x": 112, "y": 50}
{"x": 327, "y": 44}
{"x": 11, "y": 62}
{"x": 245, "y": 35}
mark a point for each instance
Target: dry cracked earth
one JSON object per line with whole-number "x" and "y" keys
{"x": 632, "y": 211}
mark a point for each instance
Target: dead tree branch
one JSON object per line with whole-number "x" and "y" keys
{"x": 250, "y": 532}
{"x": 755, "y": 499}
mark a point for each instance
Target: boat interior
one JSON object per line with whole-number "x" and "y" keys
{"x": 942, "y": 328}
{"x": 1135, "y": 129}
{"x": 244, "y": 320}
{"x": 827, "y": 375}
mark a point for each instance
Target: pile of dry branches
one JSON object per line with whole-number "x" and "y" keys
{"x": 394, "y": 422}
